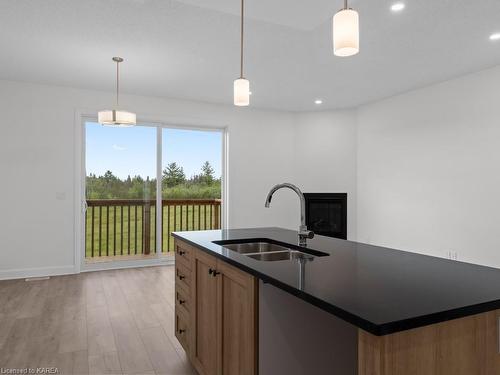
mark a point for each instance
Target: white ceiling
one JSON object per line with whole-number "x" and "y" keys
{"x": 190, "y": 48}
{"x": 302, "y": 15}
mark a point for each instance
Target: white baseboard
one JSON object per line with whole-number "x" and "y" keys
{"x": 22, "y": 273}
{"x": 104, "y": 266}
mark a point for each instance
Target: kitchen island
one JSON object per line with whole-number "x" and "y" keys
{"x": 382, "y": 311}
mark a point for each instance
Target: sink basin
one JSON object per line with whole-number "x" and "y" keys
{"x": 281, "y": 255}
{"x": 269, "y": 250}
{"x": 255, "y": 247}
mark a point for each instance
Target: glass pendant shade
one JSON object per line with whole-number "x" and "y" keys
{"x": 116, "y": 118}
{"x": 346, "y": 33}
{"x": 241, "y": 92}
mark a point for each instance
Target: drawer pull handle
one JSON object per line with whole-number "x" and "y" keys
{"x": 181, "y": 252}
{"x": 181, "y": 302}
{"x": 182, "y": 277}
{"x": 181, "y": 331}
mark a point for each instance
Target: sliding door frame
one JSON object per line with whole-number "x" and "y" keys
{"x": 81, "y": 118}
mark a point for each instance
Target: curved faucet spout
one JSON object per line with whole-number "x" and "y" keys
{"x": 303, "y": 232}
{"x": 297, "y": 191}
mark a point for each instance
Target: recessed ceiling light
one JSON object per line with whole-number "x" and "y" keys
{"x": 495, "y": 36}
{"x": 318, "y": 101}
{"x": 397, "y": 7}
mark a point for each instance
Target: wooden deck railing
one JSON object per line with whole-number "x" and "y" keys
{"x": 128, "y": 226}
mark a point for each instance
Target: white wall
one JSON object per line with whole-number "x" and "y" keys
{"x": 37, "y": 161}
{"x": 429, "y": 170}
{"x": 325, "y": 156}
{"x": 421, "y": 169}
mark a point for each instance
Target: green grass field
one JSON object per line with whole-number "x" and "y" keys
{"x": 117, "y": 231}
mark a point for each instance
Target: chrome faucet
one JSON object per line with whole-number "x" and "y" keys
{"x": 303, "y": 234}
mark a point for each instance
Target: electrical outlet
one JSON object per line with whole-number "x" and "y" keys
{"x": 451, "y": 254}
{"x": 60, "y": 195}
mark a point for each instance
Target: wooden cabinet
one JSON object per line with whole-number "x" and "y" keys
{"x": 204, "y": 319}
{"x": 237, "y": 302}
{"x": 221, "y": 306}
{"x": 182, "y": 298}
{"x": 465, "y": 346}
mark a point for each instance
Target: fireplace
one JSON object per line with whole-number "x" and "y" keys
{"x": 326, "y": 214}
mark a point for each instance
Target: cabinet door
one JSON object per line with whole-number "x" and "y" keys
{"x": 204, "y": 349}
{"x": 237, "y": 300}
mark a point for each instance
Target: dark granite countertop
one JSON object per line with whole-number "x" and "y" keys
{"x": 377, "y": 289}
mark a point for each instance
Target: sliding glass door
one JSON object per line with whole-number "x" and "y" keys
{"x": 120, "y": 191}
{"x": 129, "y": 172}
{"x": 191, "y": 181}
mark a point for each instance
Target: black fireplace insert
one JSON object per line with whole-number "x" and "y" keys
{"x": 326, "y": 214}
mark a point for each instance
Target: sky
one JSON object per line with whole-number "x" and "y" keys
{"x": 132, "y": 151}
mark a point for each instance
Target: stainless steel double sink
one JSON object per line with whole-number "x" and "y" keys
{"x": 268, "y": 250}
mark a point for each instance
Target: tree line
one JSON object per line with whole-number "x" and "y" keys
{"x": 175, "y": 185}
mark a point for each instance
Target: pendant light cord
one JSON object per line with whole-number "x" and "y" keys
{"x": 345, "y": 4}
{"x": 117, "y": 83}
{"x": 241, "y": 40}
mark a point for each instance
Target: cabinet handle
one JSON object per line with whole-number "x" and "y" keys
{"x": 181, "y": 301}
{"x": 181, "y": 252}
{"x": 181, "y": 331}
{"x": 182, "y": 277}
{"x": 213, "y": 272}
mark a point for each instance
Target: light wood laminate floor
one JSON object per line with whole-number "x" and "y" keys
{"x": 106, "y": 322}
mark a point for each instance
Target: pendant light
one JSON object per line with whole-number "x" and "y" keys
{"x": 242, "y": 85}
{"x": 117, "y": 117}
{"x": 346, "y": 32}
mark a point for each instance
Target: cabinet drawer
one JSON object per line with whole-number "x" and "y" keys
{"x": 181, "y": 330}
{"x": 183, "y": 253}
{"x": 182, "y": 301}
{"x": 182, "y": 277}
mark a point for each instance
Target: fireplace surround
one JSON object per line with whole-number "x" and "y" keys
{"x": 326, "y": 214}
